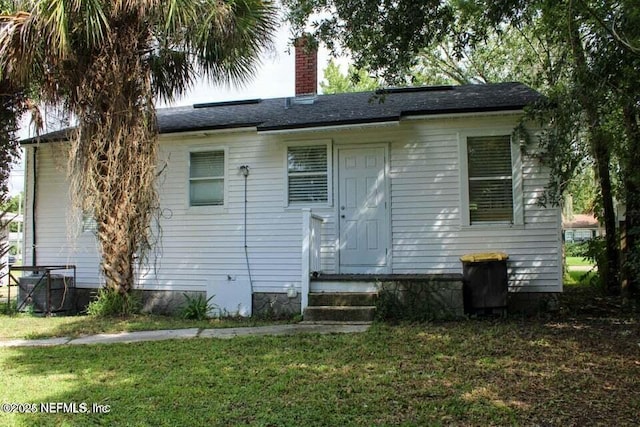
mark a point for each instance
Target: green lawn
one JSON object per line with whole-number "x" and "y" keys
{"x": 580, "y": 366}
{"x": 512, "y": 372}
{"x": 22, "y": 325}
{"x": 578, "y": 261}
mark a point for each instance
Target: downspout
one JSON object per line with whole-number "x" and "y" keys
{"x": 244, "y": 170}
{"x": 34, "y": 252}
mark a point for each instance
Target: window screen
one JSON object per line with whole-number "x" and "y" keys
{"x": 490, "y": 179}
{"x": 307, "y": 173}
{"x": 206, "y": 178}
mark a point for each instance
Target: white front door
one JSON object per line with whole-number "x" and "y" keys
{"x": 362, "y": 210}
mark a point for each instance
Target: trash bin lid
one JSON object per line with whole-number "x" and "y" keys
{"x": 484, "y": 257}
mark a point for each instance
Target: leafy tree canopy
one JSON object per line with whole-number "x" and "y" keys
{"x": 354, "y": 81}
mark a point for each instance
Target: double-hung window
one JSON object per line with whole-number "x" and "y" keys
{"x": 490, "y": 180}
{"x": 206, "y": 178}
{"x": 307, "y": 174}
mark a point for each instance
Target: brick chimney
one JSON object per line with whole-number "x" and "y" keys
{"x": 306, "y": 66}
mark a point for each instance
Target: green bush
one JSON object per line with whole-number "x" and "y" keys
{"x": 596, "y": 251}
{"x": 575, "y": 249}
{"x": 198, "y": 307}
{"x": 109, "y": 303}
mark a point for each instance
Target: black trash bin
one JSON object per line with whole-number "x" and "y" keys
{"x": 485, "y": 282}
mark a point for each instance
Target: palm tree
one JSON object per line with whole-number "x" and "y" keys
{"x": 105, "y": 61}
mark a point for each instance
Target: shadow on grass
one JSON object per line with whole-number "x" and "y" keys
{"x": 459, "y": 373}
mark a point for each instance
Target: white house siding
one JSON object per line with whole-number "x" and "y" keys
{"x": 60, "y": 240}
{"x": 201, "y": 244}
{"x": 205, "y": 244}
{"x": 426, "y": 209}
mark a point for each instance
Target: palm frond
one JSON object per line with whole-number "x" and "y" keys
{"x": 54, "y": 15}
{"x": 230, "y": 38}
{"x": 171, "y": 73}
{"x": 95, "y": 21}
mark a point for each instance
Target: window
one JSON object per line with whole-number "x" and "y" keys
{"x": 206, "y": 178}
{"x": 89, "y": 223}
{"x": 490, "y": 179}
{"x": 307, "y": 174}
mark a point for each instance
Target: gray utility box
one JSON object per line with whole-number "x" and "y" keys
{"x": 485, "y": 282}
{"x": 46, "y": 293}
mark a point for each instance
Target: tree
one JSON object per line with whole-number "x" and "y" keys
{"x": 381, "y": 36}
{"x": 583, "y": 189}
{"x": 105, "y": 62}
{"x": 353, "y": 81}
{"x": 588, "y": 67}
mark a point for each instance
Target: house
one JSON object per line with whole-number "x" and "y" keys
{"x": 264, "y": 201}
{"x": 580, "y": 228}
{"x": 9, "y": 241}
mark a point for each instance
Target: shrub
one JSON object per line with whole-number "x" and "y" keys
{"x": 575, "y": 249}
{"x": 596, "y": 251}
{"x": 109, "y": 303}
{"x": 198, "y": 307}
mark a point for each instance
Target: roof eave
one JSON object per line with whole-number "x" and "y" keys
{"x": 333, "y": 124}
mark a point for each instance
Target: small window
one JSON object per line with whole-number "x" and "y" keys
{"x": 307, "y": 174}
{"x": 206, "y": 178}
{"x": 568, "y": 236}
{"x": 490, "y": 179}
{"x": 89, "y": 223}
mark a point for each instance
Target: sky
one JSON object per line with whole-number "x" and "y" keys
{"x": 274, "y": 78}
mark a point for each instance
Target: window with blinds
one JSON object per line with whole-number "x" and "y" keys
{"x": 206, "y": 178}
{"x": 490, "y": 179}
{"x": 307, "y": 174}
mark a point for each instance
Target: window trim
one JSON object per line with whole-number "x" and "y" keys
{"x": 516, "y": 178}
{"x": 308, "y": 143}
{"x": 225, "y": 179}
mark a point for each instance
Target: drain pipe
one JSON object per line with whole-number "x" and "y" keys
{"x": 244, "y": 170}
{"x": 34, "y": 252}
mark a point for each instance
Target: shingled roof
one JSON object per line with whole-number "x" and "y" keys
{"x": 385, "y": 105}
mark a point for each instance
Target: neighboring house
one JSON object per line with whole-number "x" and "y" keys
{"x": 580, "y": 228}
{"x": 8, "y": 240}
{"x": 402, "y": 181}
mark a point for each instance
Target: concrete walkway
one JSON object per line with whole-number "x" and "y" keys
{"x": 584, "y": 268}
{"x": 223, "y": 333}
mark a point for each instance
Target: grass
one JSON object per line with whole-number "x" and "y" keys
{"x": 577, "y": 278}
{"x": 491, "y": 372}
{"x": 578, "y": 261}
{"x": 580, "y": 366}
{"x": 27, "y": 326}
{"x": 33, "y": 327}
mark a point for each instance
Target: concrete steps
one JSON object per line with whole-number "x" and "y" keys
{"x": 341, "y": 307}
